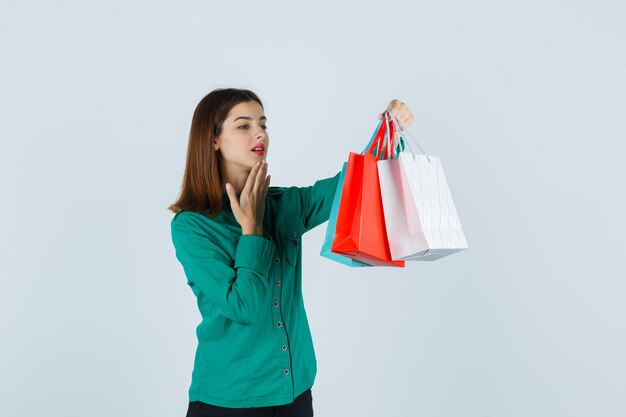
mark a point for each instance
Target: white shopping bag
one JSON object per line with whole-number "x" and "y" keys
{"x": 420, "y": 216}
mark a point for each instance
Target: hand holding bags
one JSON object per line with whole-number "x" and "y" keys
{"x": 391, "y": 205}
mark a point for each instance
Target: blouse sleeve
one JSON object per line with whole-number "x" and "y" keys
{"x": 236, "y": 287}
{"x": 317, "y": 201}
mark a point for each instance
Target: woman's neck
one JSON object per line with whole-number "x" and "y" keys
{"x": 236, "y": 177}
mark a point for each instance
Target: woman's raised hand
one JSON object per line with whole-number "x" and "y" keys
{"x": 401, "y": 111}
{"x": 250, "y": 208}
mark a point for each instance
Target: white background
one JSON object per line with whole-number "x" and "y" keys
{"x": 522, "y": 101}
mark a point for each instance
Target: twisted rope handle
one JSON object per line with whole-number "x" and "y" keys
{"x": 404, "y": 130}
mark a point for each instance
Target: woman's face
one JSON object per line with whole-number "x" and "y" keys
{"x": 244, "y": 140}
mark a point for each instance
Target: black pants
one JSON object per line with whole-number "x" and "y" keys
{"x": 301, "y": 407}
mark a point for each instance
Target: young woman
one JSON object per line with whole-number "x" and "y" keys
{"x": 239, "y": 242}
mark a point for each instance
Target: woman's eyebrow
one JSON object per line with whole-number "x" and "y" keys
{"x": 248, "y": 118}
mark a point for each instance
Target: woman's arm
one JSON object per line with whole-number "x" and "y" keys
{"x": 317, "y": 200}
{"x": 237, "y": 288}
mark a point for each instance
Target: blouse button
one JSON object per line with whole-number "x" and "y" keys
{"x": 279, "y": 324}
{"x": 278, "y": 283}
{"x": 293, "y": 234}
{"x": 275, "y": 303}
{"x": 277, "y": 260}
{"x": 284, "y": 347}
{"x": 286, "y": 372}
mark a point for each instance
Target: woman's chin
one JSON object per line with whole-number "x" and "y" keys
{"x": 257, "y": 158}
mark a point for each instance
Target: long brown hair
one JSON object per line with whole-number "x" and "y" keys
{"x": 202, "y": 181}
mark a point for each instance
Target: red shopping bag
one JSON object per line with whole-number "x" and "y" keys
{"x": 360, "y": 232}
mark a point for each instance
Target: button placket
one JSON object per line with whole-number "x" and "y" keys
{"x": 279, "y": 325}
{"x": 282, "y": 346}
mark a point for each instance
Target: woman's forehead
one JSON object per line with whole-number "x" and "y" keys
{"x": 247, "y": 109}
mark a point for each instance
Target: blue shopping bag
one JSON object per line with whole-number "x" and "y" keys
{"x": 330, "y": 229}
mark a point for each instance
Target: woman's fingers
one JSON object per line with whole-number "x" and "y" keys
{"x": 267, "y": 184}
{"x": 406, "y": 118}
{"x": 259, "y": 178}
{"x": 232, "y": 196}
{"x": 395, "y": 106}
{"x": 250, "y": 208}
{"x": 401, "y": 111}
{"x": 247, "y": 188}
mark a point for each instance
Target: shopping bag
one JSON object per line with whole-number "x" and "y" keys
{"x": 332, "y": 221}
{"x": 360, "y": 231}
{"x": 330, "y": 229}
{"x": 421, "y": 220}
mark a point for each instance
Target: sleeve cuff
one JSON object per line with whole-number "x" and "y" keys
{"x": 254, "y": 252}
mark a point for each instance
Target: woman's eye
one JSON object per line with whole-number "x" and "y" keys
{"x": 246, "y": 127}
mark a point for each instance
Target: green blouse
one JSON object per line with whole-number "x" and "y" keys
{"x": 254, "y": 343}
